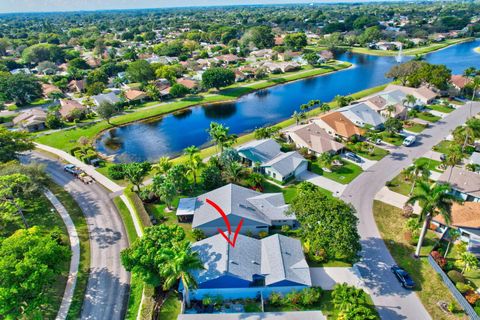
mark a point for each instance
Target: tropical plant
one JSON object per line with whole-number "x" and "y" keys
{"x": 343, "y": 101}
{"x": 14, "y": 189}
{"x": 409, "y": 100}
{"x": 419, "y": 170}
{"x": 432, "y": 197}
{"x": 194, "y": 163}
{"x": 453, "y": 156}
{"x": 298, "y": 117}
{"x": 162, "y": 166}
{"x": 468, "y": 261}
{"x": 135, "y": 172}
{"x": 221, "y": 136}
{"x": 234, "y": 172}
{"x": 452, "y": 236}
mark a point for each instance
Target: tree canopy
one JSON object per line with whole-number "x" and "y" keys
{"x": 12, "y": 143}
{"x": 217, "y": 78}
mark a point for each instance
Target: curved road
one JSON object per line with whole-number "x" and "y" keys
{"x": 107, "y": 290}
{"x": 391, "y": 300}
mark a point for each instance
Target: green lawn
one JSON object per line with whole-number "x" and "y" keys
{"x": 415, "y": 127}
{"x": 344, "y": 175}
{"x": 171, "y": 307}
{"x": 432, "y": 164}
{"x": 427, "y": 116}
{"x": 429, "y": 286}
{"x": 396, "y": 139}
{"x": 169, "y": 218}
{"x": 368, "y": 151}
{"x": 440, "y": 108}
{"x": 445, "y": 145}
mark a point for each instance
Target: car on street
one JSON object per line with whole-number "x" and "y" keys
{"x": 403, "y": 276}
{"x": 70, "y": 168}
{"x": 352, "y": 156}
{"x": 409, "y": 141}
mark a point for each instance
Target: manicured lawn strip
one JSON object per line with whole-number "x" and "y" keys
{"x": 171, "y": 308}
{"x": 443, "y": 146}
{"x": 432, "y": 164}
{"x": 67, "y": 139}
{"x": 378, "y": 153}
{"x": 396, "y": 139}
{"x": 82, "y": 230}
{"x": 416, "y": 128}
{"x": 430, "y": 287}
{"x": 440, "y": 108}
{"x": 400, "y": 185}
{"x": 410, "y": 52}
{"x": 136, "y": 285}
{"x": 428, "y": 117}
{"x": 344, "y": 175}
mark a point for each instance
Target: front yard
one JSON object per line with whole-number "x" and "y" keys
{"x": 441, "y": 108}
{"x": 367, "y": 150}
{"x": 445, "y": 145}
{"x": 430, "y": 287}
{"x": 427, "y": 116}
{"x": 414, "y": 127}
{"x": 395, "y": 139}
{"x": 343, "y": 174}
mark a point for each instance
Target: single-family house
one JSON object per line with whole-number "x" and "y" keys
{"x": 336, "y": 124}
{"x": 77, "y": 86}
{"x": 314, "y": 138}
{"x": 465, "y": 184}
{"x": 459, "y": 82}
{"x": 110, "y": 97}
{"x": 21, "y": 70}
{"x": 271, "y": 161}
{"x": 135, "y": 95}
{"x": 259, "y": 212}
{"x": 31, "y": 120}
{"x": 362, "y": 115}
{"x": 191, "y": 84}
{"x": 465, "y": 218}
{"x": 49, "y": 89}
{"x": 281, "y": 66}
{"x": 68, "y": 107}
{"x": 423, "y": 94}
{"x": 388, "y": 104}
{"x": 253, "y": 267}
{"x": 227, "y": 58}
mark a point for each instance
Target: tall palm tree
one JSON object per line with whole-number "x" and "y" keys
{"x": 191, "y": 151}
{"x": 298, "y": 117}
{"x": 433, "y": 198}
{"x": 181, "y": 262}
{"x": 453, "y": 156}
{"x": 391, "y": 109}
{"x": 162, "y": 166}
{"x": 409, "y": 100}
{"x": 194, "y": 163}
{"x": 416, "y": 171}
{"x": 470, "y": 72}
{"x": 221, "y": 136}
{"x": 234, "y": 171}
{"x": 453, "y": 235}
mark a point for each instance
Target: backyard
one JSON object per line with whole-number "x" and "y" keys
{"x": 430, "y": 287}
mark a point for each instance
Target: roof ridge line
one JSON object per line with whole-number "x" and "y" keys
{"x": 281, "y": 257}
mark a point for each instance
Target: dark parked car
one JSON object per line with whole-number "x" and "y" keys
{"x": 403, "y": 277}
{"x": 352, "y": 156}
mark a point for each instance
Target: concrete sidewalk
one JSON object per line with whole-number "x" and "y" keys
{"x": 395, "y": 199}
{"x": 75, "y": 260}
{"x": 322, "y": 182}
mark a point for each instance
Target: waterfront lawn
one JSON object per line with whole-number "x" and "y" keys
{"x": 429, "y": 285}
{"x": 367, "y": 150}
{"x": 427, "y": 116}
{"x": 344, "y": 174}
{"x": 395, "y": 139}
{"x": 441, "y": 108}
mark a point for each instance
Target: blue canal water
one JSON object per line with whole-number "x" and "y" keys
{"x": 170, "y": 134}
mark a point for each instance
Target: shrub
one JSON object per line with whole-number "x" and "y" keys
{"x": 293, "y": 297}
{"x": 477, "y": 310}
{"x": 207, "y": 300}
{"x": 439, "y": 259}
{"x": 198, "y": 234}
{"x": 462, "y": 287}
{"x": 262, "y": 234}
{"x": 275, "y": 299}
{"x": 285, "y": 228}
{"x": 310, "y": 296}
{"x": 116, "y": 172}
{"x": 12, "y": 107}
{"x": 472, "y": 297}
{"x": 456, "y": 276}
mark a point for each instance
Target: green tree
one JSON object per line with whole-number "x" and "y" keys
{"x": 140, "y": 71}
{"x": 135, "y": 172}
{"x": 259, "y": 37}
{"x": 312, "y": 58}
{"x": 95, "y": 88}
{"x": 28, "y": 268}
{"x": 211, "y": 177}
{"x": 468, "y": 261}
{"x": 106, "y": 111}
{"x": 329, "y": 225}
{"x": 343, "y": 101}
{"x": 295, "y": 41}
{"x": 20, "y": 88}
{"x": 179, "y": 90}
{"x": 433, "y": 198}
{"x": 419, "y": 170}
{"x": 453, "y": 156}
{"x": 194, "y": 162}
{"x": 166, "y": 72}
{"x": 43, "y": 52}
{"x": 393, "y": 125}
{"x": 165, "y": 189}
{"x": 298, "y": 117}
{"x": 12, "y": 143}
{"x": 14, "y": 190}
{"x": 180, "y": 264}
{"x": 220, "y": 135}
{"x": 145, "y": 256}
{"x": 162, "y": 166}
{"x": 217, "y": 77}
{"x": 266, "y": 132}
{"x": 4, "y": 44}
{"x": 234, "y": 171}
{"x": 78, "y": 63}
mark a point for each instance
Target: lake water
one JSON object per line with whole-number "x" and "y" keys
{"x": 170, "y": 134}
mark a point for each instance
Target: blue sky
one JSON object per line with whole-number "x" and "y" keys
{"x": 76, "y": 5}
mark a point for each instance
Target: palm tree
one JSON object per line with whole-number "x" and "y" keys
{"x": 255, "y": 179}
{"x": 298, "y": 116}
{"x": 469, "y": 261}
{"x": 191, "y": 151}
{"x": 162, "y": 166}
{"x": 433, "y": 197}
{"x": 234, "y": 171}
{"x": 391, "y": 109}
{"x": 325, "y": 160}
{"x": 324, "y": 107}
{"x": 453, "y": 156}
{"x": 409, "y": 100}
{"x": 470, "y": 72}
{"x": 180, "y": 263}
{"x": 194, "y": 163}
{"x": 342, "y": 101}
{"x": 220, "y": 135}
{"x": 453, "y": 235}
{"x": 415, "y": 171}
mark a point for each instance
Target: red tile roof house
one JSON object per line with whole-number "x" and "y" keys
{"x": 459, "y": 82}
{"x": 67, "y": 107}
{"x": 191, "y": 84}
{"x": 76, "y": 86}
{"x": 135, "y": 95}
{"x": 49, "y": 89}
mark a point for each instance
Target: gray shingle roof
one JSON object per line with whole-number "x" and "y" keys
{"x": 277, "y": 257}
{"x": 234, "y": 200}
{"x": 361, "y": 112}
{"x": 462, "y": 180}
{"x": 260, "y": 150}
{"x": 286, "y": 162}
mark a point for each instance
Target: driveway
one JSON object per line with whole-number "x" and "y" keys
{"x": 391, "y": 300}
{"x": 107, "y": 291}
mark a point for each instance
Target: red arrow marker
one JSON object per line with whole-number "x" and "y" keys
{"x": 232, "y": 243}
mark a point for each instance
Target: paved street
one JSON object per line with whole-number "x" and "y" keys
{"x": 392, "y": 301}
{"x": 108, "y": 285}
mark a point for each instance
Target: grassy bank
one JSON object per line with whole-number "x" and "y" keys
{"x": 67, "y": 139}
{"x": 430, "y": 287}
{"x": 410, "y": 52}
{"x": 82, "y": 230}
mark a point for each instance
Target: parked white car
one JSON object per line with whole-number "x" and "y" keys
{"x": 409, "y": 141}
